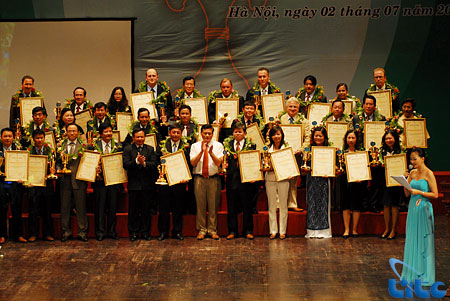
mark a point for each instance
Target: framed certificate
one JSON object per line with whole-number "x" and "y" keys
{"x": 357, "y": 165}
{"x": 199, "y": 109}
{"x": 250, "y": 166}
{"x": 272, "y": 105}
{"x": 88, "y": 165}
{"x": 27, "y": 104}
{"x": 293, "y": 135}
{"x": 395, "y": 165}
{"x": 177, "y": 168}
{"x": 373, "y": 131}
{"x": 255, "y": 135}
{"x": 50, "y": 139}
{"x": 113, "y": 172}
{"x": 284, "y": 164}
{"x": 384, "y": 102}
{"x": 150, "y": 139}
{"x": 116, "y": 135}
{"x": 336, "y": 132}
{"x": 348, "y": 107}
{"x": 123, "y": 122}
{"x": 318, "y": 110}
{"x": 415, "y": 132}
{"x": 228, "y": 106}
{"x": 16, "y": 166}
{"x": 82, "y": 118}
{"x": 37, "y": 170}
{"x": 215, "y": 132}
{"x": 142, "y": 100}
{"x": 323, "y": 161}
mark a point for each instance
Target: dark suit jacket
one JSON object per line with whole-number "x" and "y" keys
{"x": 302, "y": 96}
{"x": 14, "y": 112}
{"x": 170, "y": 106}
{"x": 73, "y": 106}
{"x": 94, "y": 123}
{"x": 186, "y": 150}
{"x": 140, "y": 177}
{"x": 17, "y": 189}
{"x": 73, "y": 166}
{"x": 99, "y": 145}
{"x": 233, "y": 172}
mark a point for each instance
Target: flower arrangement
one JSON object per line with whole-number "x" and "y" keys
{"x": 162, "y": 97}
{"x": 395, "y": 125}
{"x": 183, "y": 145}
{"x": 214, "y": 94}
{"x": 47, "y": 149}
{"x": 257, "y": 117}
{"x": 227, "y": 145}
{"x": 324, "y": 119}
{"x": 298, "y": 121}
{"x": 271, "y": 87}
{"x": 61, "y": 148}
{"x": 394, "y": 90}
{"x": 152, "y": 124}
{"x": 114, "y": 146}
{"x": 318, "y": 96}
{"x": 180, "y": 93}
{"x": 69, "y": 102}
{"x": 17, "y": 96}
{"x": 30, "y": 126}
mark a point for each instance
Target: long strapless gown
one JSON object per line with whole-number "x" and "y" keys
{"x": 419, "y": 243}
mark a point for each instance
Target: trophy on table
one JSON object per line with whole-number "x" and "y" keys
{"x": 306, "y": 157}
{"x": 341, "y": 159}
{"x": 162, "y": 168}
{"x": 374, "y": 154}
{"x": 266, "y": 159}
{"x": 223, "y": 170}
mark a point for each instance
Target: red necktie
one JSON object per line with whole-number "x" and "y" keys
{"x": 307, "y": 97}
{"x": 78, "y": 109}
{"x": 238, "y": 147}
{"x": 205, "y": 172}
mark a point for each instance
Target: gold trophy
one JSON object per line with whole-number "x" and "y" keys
{"x": 306, "y": 157}
{"x": 271, "y": 123}
{"x": 162, "y": 110}
{"x": 89, "y": 136}
{"x": 65, "y": 161}
{"x": 18, "y": 131}
{"x": 267, "y": 165}
{"x": 223, "y": 170}
{"x": 341, "y": 160}
{"x": 58, "y": 110}
{"x": 374, "y": 154}
{"x": 162, "y": 168}
{"x": 177, "y": 108}
{"x": 257, "y": 99}
{"x": 52, "y": 175}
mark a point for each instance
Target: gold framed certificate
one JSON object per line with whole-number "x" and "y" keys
{"x": 142, "y": 100}
{"x": 255, "y": 135}
{"x": 113, "y": 172}
{"x": 116, "y": 135}
{"x": 318, "y": 110}
{"x": 250, "y": 166}
{"x": 336, "y": 132}
{"x": 215, "y": 136}
{"x": 87, "y": 169}
{"x": 150, "y": 139}
{"x": 348, "y": 107}
{"x": 373, "y": 131}
{"x": 16, "y": 166}
{"x": 50, "y": 139}
{"x": 27, "y": 104}
{"x": 384, "y": 102}
{"x": 395, "y": 165}
{"x": 415, "y": 132}
{"x": 229, "y": 106}
{"x": 199, "y": 109}
{"x": 293, "y": 135}
{"x": 177, "y": 168}
{"x": 357, "y": 165}
{"x": 82, "y": 118}
{"x": 284, "y": 164}
{"x": 272, "y": 105}
{"x": 37, "y": 170}
{"x": 323, "y": 161}
{"x": 123, "y": 121}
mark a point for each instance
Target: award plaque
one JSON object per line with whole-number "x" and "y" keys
{"x": 255, "y": 135}
{"x": 323, "y": 161}
{"x": 293, "y": 135}
{"x": 228, "y": 106}
{"x": 142, "y": 100}
{"x": 348, "y": 107}
{"x": 199, "y": 109}
{"x": 123, "y": 122}
{"x": 27, "y": 104}
{"x": 82, "y": 118}
{"x": 284, "y": 164}
{"x": 177, "y": 168}
{"x": 113, "y": 172}
{"x": 87, "y": 169}
{"x": 318, "y": 110}
{"x": 415, "y": 132}
{"x": 37, "y": 170}
{"x": 16, "y": 166}
{"x": 395, "y": 165}
{"x": 150, "y": 139}
{"x": 373, "y": 131}
{"x": 384, "y": 102}
{"x": 357, "y": 165}
{"x": 336, "y": 132}
{"x": 250, "y": 166}
{"x": 50, "y": 139}
{"x": 272, "y": 105}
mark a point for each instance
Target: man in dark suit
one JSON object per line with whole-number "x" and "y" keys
{"x": 171, "y": 198}
{"x": 105, "y": 196}
{"x": 80, "y": 103}
{"x": 73, "y": 147}
{"x": 140, "y": 161}
{"x": 39, "y": 122}
{"x": 10, "y": 193}
{"x": 310, "y": 93}
{"x": 262, "y": 87}
{"x": 27, "y": 90}
{"x": 100, "y": 117}
{"x": 145, "y": 123}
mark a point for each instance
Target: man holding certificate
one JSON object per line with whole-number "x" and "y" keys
{"x": 79, "y": 102}
{"x": 263, "y": 86}
{"x": 39, "y": 122}
{"x": 379, "y": 76}
{"x": 337, "y": 114}
{"x": 145, "y": 123}
{"x": 206, "y": 157}
{"x": 370, "y": 113}
{"x": 310, "y": 93}
{"x": 27, "y": 90}
{"x": 101, "y": 116}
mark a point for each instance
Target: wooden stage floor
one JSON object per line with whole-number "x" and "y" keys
{"x": 293, "y": 269}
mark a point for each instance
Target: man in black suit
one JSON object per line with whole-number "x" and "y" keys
{"x": 140, "y": 161}
{"x": 80, "y": 103}
{"x": 72, "y": 147}
{"x": 27, "y": 90}
{"x": 105, "y": 196}
{"x": 310, "y": 93}
{"x": 262, "y": 87}
{"x": 39, "y": 122}
{"x": 144, "y": 123}
{"x": 10, "y": 193}
{"x": 100, "y": 117}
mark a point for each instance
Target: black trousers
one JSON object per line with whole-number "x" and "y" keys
{"x": 40, "y": 200}
{"x": 171, "y": 199}
{"x": 238, "y": 200}
{"x": 11, "y": 194}
{"x": 139, "y": 206}
{"x": 105, "y": 203}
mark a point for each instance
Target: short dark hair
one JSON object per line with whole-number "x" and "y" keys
{"x": 273, "y": 131}
{"x": 263, "y": 69}
{"x": 368, "y": 96}
{"x": 188, "y": 78}
{"x": 39, "y": 109}
{"x": 99, "y": 105}
{"x": 338, "y": 100}
{"x": 312, "y": 78}
{"x": 137, "y": 130}
{"x": 321, "y": 129}
{"x": 73, "y": 123}
{"x": 37, "y": 132}
{"x": 237, "y": 124}
{"x": 174, "y": 125}
{"x": 249, "y": 103}
{"x": 341, "y": 84}
{"x": 412, "y": 101}
{"x": 84, "y": 90}
{"x": 27, "y": 77}
{"x": 206, "y": 126}
{"x": 103, "y": 126}
{"x": 143, "y": 110}
{"x": 185, "y": 107}
{"x": 7, "y": 130}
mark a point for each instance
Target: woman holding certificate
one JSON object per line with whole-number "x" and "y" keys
{"x": 419, "y": 260}
{"x": 391, "y": 195}
{"x": 118, "y": 102}
{"x": 277, "y": 190}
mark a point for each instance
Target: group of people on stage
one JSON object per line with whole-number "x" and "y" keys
{"x": 176, "y": 130}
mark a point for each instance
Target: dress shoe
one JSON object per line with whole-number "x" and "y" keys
{"x": 178, "y": 236}
{"x": 133, "y": 237}
{"x": 162, "y": 236}
{"x": 392, "y": 237}
{"x": 49, "y": 238}
{"x": 201, "y": 236}
{"x": 21, "y": 239}
{"x": 146, "y": 236}
{"x": 215, "y": 236}
{"x": 273, "y": 236}
{"x": 230, "y": 236}
{"x": 83, "y": 238}
{"x": 32, "y": 238}
{"x": 345, "y": 236}
{"x": 2, "y": 240}
{"x": 355, "y": 235}
{"x": 250, "y": 236}
{"x": 384, "y": 235}
{"x": 100, "y": 237}
{"x": 282, "y": 236}
{"x": 296, "y": 209}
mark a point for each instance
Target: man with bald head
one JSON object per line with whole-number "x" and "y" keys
{"x": 381, "y": 84}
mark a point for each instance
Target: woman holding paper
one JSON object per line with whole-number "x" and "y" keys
{"x": 419, "y": 260}
{"x": 277, "y": 190}
{"x": 391, "y": 195}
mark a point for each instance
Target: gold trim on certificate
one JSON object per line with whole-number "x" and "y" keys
{"x": 199, "y": 109}
{"x": 215, "y": 136}
{"x": 348, "y": 107}
{"x": 16, "y": 165}
{"x": 37, "y": 170}
{"x": 116, "y": 136}
{"x": 82, "y": 118}
{"x": 142, "y": 100}
{"x": 27, "y": 104}
{"x": 255, "y": 135}
{"x": 177, "y": 168}
{"x": 373, "y": 131}
{"x": 284, "y": 164}
{"x": 123, "y": 121}
{"x": 49, "y": 138}
{"x": 272, "y": 105}
{"x": 250, "y": 166}
{"x": 384, "y": 102}
{"x": 150, "y": 139}
{"x": 395, "y": 165}
{"x": 293, "y": 135}
{"x": 229, "y": 106}
{"x": 318, "y": 110}
{"x": 415, "y": 132}
{"x": 323, "y": 161}
{"x": 87, "y": 169}
{"x": 357, "y": 165}
{"x": 113, "y": 172}
{"x": 336, "y": 132}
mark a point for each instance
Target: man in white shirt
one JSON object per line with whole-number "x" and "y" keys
{"x": 206, "y": 157}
